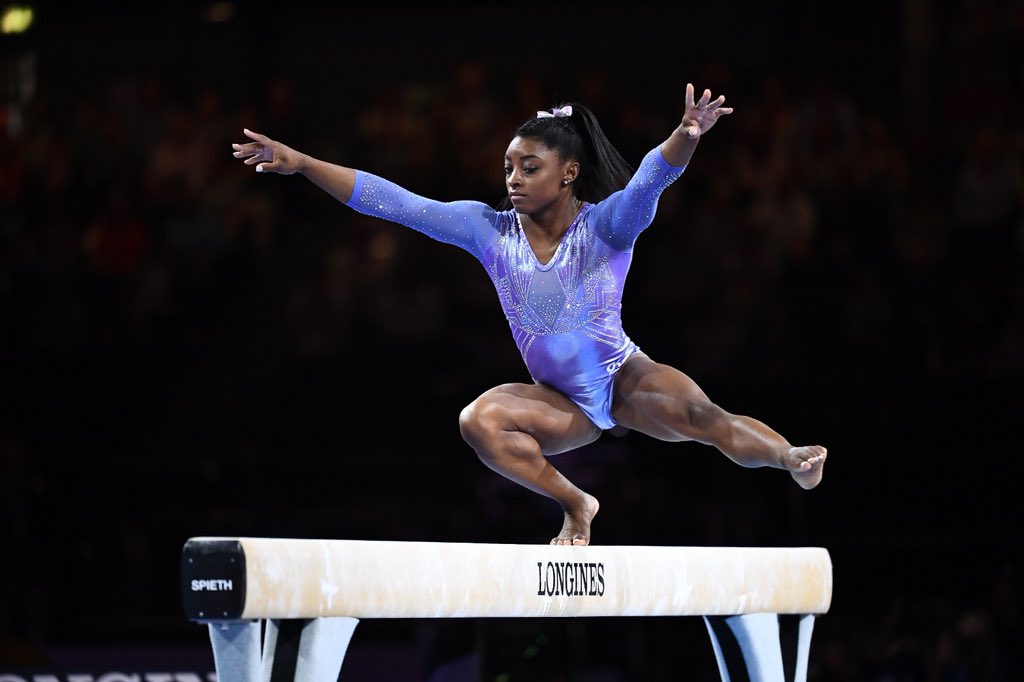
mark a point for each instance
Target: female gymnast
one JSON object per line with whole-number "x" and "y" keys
{"x": 558, "y": 259}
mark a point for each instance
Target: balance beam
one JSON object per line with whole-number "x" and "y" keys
{"x": 328, "y": 585}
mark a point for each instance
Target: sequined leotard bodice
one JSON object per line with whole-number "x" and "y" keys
{"x": 565, "y": 314}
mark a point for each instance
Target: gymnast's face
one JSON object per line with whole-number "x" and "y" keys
{"x": 534, "y": 175}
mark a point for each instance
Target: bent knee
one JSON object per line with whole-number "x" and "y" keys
{"x": 481, "y": 421}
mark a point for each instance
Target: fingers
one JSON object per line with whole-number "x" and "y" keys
{"x": 704, "y": 99}
{"x": 250, "y": 153}
{"x": 258, "y": 152}
{"x": 705, "y": 102}
{"x": 262, "y": 139}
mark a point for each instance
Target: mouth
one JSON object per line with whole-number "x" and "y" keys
{"x": 516, "y": 195}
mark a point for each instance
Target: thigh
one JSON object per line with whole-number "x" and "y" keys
{"x": 659, "y": 400}
{"x": 554, "y": 421}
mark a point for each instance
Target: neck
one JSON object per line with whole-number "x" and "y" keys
{"x": 556, "y": 219}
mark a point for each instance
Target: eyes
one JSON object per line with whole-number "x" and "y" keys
{"x": 527, "y": 170}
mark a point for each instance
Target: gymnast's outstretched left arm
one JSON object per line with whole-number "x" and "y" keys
{"x": 698, "y": 118}
{"x": 621, "y": 217}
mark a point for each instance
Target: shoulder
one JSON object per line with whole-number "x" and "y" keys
{"x": 592, "y": 214}
{"x": 505, "y": 221}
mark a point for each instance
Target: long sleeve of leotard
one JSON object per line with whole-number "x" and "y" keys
{"x": 619, "y": 219}
{"x": 470, "y": 225}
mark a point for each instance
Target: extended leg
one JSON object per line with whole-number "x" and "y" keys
{"x": 513, "y": 428}
{"x": 663, "y": 402}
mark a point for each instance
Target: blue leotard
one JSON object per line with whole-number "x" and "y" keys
{"x": 565, "y": 315}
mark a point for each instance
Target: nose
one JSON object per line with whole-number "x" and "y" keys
{"x": 514, "y": 179}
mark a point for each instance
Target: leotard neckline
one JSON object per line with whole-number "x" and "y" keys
{"x": 543, "y": 267}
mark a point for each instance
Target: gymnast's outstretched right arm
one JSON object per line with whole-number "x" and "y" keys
{"x": 271, "y": 156}
{"x": 467, "y": 224}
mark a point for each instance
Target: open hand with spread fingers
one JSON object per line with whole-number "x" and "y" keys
{"x": 700, "y": 116}
{"x": 270, "y": 155}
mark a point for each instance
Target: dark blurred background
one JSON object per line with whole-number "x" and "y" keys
{"x": 189, "y": 348}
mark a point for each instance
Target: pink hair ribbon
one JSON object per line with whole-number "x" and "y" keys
{"x": 556, "y": 113}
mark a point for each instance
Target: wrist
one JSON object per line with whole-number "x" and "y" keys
{"x": 683, "y": 132}
{"x": 679, "y": 147}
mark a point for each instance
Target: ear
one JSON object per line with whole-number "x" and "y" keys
{"x": 571, "y": 172}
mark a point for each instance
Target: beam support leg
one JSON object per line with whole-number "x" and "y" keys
{"x": 306, "y": 650}
{"x": 803, "y": 648}
{"x": 747, "y": 647}
{"x": 236, "y": 650}
{"x": 291, "y": 651}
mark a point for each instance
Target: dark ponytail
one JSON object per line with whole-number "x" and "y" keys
{"x": 579, "y": 136}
